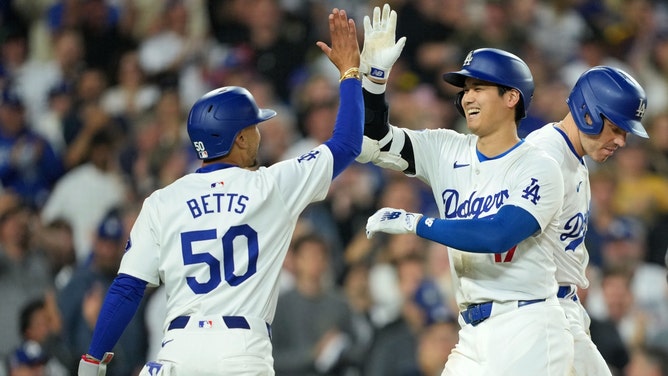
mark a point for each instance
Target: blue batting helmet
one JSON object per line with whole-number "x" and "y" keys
{"x": 608, "y": 92}
{"x": 496, "y": 66}
{"x": 216, "y": 119}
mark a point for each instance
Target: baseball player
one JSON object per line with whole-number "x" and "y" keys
{"x": 498, "y": 199}
{"x": 217, "y": 238}
{"x": 605, "y": 105}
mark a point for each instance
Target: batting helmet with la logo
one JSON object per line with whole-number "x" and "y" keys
{"x": 607, "y": 92}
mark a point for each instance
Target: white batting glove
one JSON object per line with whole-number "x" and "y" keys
{"x": 392, "y": 221}
{"x": 89, "y": 366}
{"x": 380, "y": 51}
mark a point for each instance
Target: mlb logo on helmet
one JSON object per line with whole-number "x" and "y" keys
{"x": 201, "y": 149}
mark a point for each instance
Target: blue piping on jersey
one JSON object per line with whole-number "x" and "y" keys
{"x": 482, "y": 157}
{"x": 214, "y": 167}
{"x": 570, "y": 144}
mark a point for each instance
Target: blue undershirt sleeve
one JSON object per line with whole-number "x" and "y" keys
{"x": 493, "y": 234}
{"x": 120, "y": 305}
{"x": 346, "y": 141}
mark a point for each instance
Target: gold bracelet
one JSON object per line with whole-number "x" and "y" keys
{"x": 353, "y": 72}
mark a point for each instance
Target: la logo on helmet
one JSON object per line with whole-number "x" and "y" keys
{"x": 640, "y": 111}
{"x": 469, "y": 59}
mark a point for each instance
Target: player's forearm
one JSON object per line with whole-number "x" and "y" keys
{"x": 495, "y": 234}
{"x": 346, "y": 141}
{"x": 376, "y": 115}
{"x": 384, "y": 145}
{"x": 120, "y": 305}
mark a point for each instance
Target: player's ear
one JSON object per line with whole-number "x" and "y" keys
{"x": 241, "y": 140}
{"x": 512, "y": 98}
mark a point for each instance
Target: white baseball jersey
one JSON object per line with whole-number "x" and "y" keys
{"x": 571, "y": 256}
{"x": 217, "y": 240}
{"x": 465, "y": 188}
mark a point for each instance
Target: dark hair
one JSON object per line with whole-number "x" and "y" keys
{"x": 309, "y": 238}
{"x": 28, "y": 312}
{"x": 618, "y": 271}
{"x": 101, "y": 138}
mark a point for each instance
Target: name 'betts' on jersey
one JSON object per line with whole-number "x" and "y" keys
{"x": 217, "y": 240}
{"x": 570, "y": 254}
{"x": 466, "y": 188}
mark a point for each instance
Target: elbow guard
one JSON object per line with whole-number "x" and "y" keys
{"x": 392, "y": 159}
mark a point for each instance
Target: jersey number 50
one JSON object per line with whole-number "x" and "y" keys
{"x": 190, "y": 258}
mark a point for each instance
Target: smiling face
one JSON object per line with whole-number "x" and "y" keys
{"x": 601, "y": 146}
{"x": 486, "y": 108}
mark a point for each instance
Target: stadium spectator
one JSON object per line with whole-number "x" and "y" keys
{"x": 81, "y": 299}
{"x": 24, "y": 272}
{"x": 86, "y": 193}
{"x": 28, "y": 164}
{"x": 312, "y": 332}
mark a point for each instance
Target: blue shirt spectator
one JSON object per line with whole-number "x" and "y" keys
{"x": 28, "y": 164}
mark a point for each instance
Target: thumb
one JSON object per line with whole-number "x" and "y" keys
{"x": 399, "y": 46}
{"x": 324, "y": 47}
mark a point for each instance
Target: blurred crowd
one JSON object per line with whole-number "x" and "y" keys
{"x": 95, "y": 98}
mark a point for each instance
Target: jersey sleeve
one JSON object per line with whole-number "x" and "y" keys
{"x": 304, "y": 179}
{"x": 539, "y": 188}
{"x": 142, "y": 250}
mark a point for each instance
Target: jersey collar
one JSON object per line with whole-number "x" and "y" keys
{"x": 214, "y": 167}
{"x": 482, "y": 157}
{"x": 569, "y": 143}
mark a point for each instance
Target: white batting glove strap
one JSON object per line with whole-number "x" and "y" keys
{"x": 392, "y": 221}
{"x": 372, "y": 87}
{"x": 380, "y": 51}
{"x": 89, "y": 366}
{"x": 370, "y": 150}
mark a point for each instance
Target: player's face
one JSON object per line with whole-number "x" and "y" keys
{"x": 603, "y": 145}
{"x": 484, "y": 107}
{"x": 252, "y": 135}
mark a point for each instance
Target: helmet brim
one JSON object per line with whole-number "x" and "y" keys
{"x": 265, "y": 114}
{"x": 634, "y": 127}
{"x": 456, "y": 78}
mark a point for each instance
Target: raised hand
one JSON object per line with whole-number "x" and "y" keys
{"x": 380, "y": 51}
{"x": 345, "y": 51}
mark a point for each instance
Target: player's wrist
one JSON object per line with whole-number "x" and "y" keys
{"x": 353, "y": 72}
{"x": 373, "y": 86}
{"x": 92, "y": 366}
{"x": 90, "y": 359}
{"x": 413, "y": 219}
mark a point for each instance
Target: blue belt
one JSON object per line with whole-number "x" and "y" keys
{"x": 232, "y": 322}
{"x": 477, "y": 313}
{"x": 565, "y": 291}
